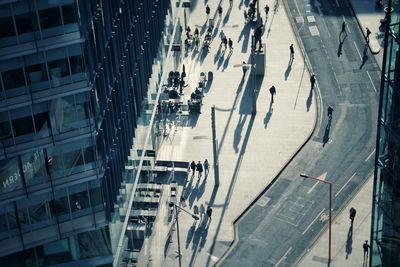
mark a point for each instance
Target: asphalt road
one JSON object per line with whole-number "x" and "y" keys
{"x": 287, "y": 218}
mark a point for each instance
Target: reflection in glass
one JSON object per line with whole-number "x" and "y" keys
{"x": 10, "y": 175}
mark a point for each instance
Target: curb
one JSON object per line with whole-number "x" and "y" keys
{"x": 270, "y": 184}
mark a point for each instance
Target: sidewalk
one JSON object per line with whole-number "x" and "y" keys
{"x": 347, "y": 247}
{"x": 252, "y": 149}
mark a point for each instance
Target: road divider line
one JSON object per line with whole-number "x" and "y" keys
{"x": 345, "y": 185}
{"x": 283, "y": 257}
{"x": 319, "y": 214}
{"x": 358, "y": 51}
{"x": 373, "y": 85}
{"x": 337, "y": 3}
{"x": 370, "y": 155}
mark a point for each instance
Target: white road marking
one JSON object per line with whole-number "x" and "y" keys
{"x": 318, "y": 6}
{"x": 370, "y": 155}
{"x": 316, "y": 218}
{"x": 283, "y": 257}
{"x": 321, "y": 177}
{"x": 337, "y": 3}
{"x": 371, "y": 81}
{"x": 347, "y": 28}
{"x": 358, "y": 51}
{"x": 345, "y": 185}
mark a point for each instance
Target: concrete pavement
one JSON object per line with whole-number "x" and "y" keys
{"x": 346, "y": 242}
{"x": 252, "y": 148}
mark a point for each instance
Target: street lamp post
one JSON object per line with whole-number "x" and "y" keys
{"x": 330, "y": 210}
{"x": 177, "y": 227}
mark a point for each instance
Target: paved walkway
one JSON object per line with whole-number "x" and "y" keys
{"x": 346, "y": 244}
{"x": 252, "y": 149}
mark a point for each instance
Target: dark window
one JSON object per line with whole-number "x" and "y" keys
{"x": 41, "y": 121}
{"x": 76, "y": 64}
{"x": 50, "y": 17}
{"x": 7, "y": 27}
{"x": 5, "y": 130}
{"x": 69, "y": 14}
{"x": 13, "y": 78}
{"x": 58, "y": 68}
{"x": 24, "y": 23}
{"x": 36, "y": 73}
{"x": 23, "y": 126}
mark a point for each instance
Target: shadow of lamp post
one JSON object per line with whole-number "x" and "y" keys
{"x": 330, "y": 209}
{"x": 171, "y": 204}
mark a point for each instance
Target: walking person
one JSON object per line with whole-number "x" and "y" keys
{"x": 225, "y": 41}
{"x": 206, "y": 167}
{"x": 196, "y": 212}
{"x": 266, "y": 8}
{"x": 330, "y": 111}
{"x": 244, "y": 67}
{"x": 208, "y": 11}
{"x": 193, "y": 167}
{"x": 230, "y": 3}
{"x": 230, "y": 43}
{"x": 245, "y": 16}
{"x": 199, "y": 168}
{"x": 344, "y": 26}
{"x": 312, "y": 81}
{"x": 209, "y": 212}
{"x": 368, "y": 34}
{"x": 202, "y": 211}
{"x": 272, "y": 90}
{"x": 291, "y": 52}
{"x": 366, "y": 248}
{"x": 352, "y": 214}
{"x": 222, "y": 36}
{"x": 220, "y": 11}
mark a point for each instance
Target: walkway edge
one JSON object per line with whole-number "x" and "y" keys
{"x": 317, "y": 118}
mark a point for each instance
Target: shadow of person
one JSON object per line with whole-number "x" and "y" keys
{"x": 288, "y": 69}
{"x": 226, "y": 62}
{"x": 203, "y": 239}
{"x": 325, "y": 139}
{"x": 309, "y": 100}
{"x": 349, "y": 242}
{"x": 190, "y": 235}
{"x": 268, "y": 115}
{"x": 238, "y": 132}
{"x": 365, "y": 56}
{"x": 221, "y": 60}
{"x": 339, "y": 51}
{"x": 202, "y": 187}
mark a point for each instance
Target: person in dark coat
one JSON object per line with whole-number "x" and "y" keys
{"x": 352, "y": 214}
{"x": 199, "y": 168}
{"x": 272, "y": 90}
{"x": 312, "y": 81}
{"x": 209, "y": 212}
{"x": 193, "y": 167}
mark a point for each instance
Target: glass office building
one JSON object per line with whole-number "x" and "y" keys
{"x": 76, "y": 79}
{"x": 385, "y": 232}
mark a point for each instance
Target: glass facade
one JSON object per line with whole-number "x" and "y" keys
{"x": 385, "y": 232}
{"x": 77, "y": 85}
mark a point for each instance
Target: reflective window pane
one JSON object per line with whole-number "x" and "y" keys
{"x": 34, "y": 168}
{"x": 50, "y": 17}
{"x": 5, "y": 130}
{"x": 36, "y": 73}
{"x": 10, "y": 175}
{"x": 23, "y": 126}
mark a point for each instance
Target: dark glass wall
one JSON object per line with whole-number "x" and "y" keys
{"x": 385, "y": 233}
{"x": 73, "y": 77}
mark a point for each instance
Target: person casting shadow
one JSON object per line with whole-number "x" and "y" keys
{"x": 325, "y": 139}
